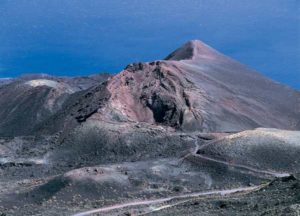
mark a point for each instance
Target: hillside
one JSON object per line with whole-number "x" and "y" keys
{"x": 195, "y": 133}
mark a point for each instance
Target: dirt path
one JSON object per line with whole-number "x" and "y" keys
{"x": 272, "y": 173}
{"x": 203, "y": 157}
{"x": 162, "y": 200}
{"x": 190, "y": 195}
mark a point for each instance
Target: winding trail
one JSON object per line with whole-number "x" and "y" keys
{"x": 162, "y": 200}
{"x": 203, "y": 157}
{"x": 191, "y": 195}
{"x": 275, "y": 174}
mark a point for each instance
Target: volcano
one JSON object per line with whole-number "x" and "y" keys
{"x": 167, "y": 137}
{"x": 195, "y": 88}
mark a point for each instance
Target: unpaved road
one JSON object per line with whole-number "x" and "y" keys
{"x": 162, "y": 200}
{"x": 203, "y": 157}
{"x": 272, "y": 173}
{"x": 190, "y": 195}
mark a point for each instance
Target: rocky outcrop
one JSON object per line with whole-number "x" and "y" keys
{"x": 197, "y": 88}
{"x": 152, "y": 92}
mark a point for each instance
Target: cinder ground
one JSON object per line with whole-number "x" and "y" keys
{"x": 40, "y": 176}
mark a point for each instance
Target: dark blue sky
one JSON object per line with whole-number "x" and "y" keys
{"x": 77, "y": 37}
